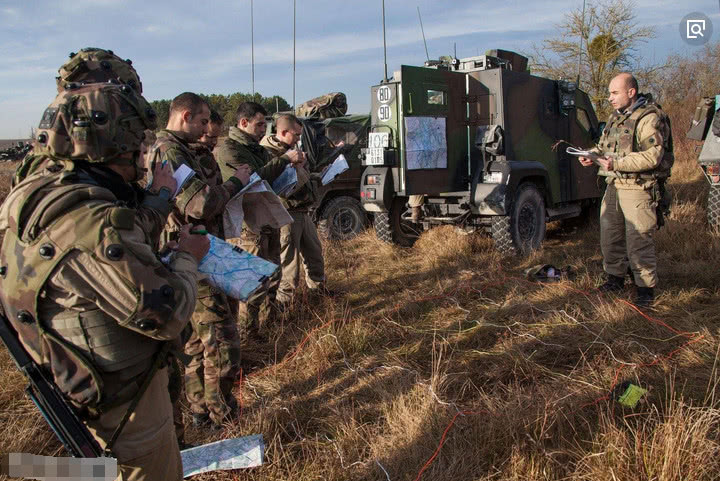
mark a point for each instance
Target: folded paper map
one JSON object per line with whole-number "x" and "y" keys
{"x": 339, "y": 166}
{"x": 238, "y": 453}
{"x": 232, "y": 270}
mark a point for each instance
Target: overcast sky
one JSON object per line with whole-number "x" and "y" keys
{"x": 205, "y": 47}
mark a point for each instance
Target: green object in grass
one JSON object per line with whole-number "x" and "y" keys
{"x": 631, "y": 396}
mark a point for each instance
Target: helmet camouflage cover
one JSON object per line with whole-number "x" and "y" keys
{"x": 93, "y": 65}
{"x": 95, "y": 123}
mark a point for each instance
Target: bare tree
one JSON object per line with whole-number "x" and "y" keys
{"x": 595, "y": 44}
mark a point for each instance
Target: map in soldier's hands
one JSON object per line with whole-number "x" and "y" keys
{"x": 238, "y": 453}
{"x": 426, "y": 143}
{"x": 232, "y": 270}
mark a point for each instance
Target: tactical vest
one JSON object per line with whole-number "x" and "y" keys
{"x": 619, "y": 140}
{"x": 95, "y": 361}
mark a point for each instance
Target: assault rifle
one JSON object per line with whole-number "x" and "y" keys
{"x": 68, "y": 428}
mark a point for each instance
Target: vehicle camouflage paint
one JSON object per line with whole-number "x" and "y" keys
{"x": 475, "y": 136}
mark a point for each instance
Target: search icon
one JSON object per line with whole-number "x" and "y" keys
{"x": 696, "y": 28}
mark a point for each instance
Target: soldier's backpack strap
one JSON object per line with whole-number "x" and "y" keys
{"x": 160, "y": 359}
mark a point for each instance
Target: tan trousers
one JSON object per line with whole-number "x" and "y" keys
{"x": 300, "y": 244}
{"x": 147, "y": 448}
{"x": 628, "y": 222}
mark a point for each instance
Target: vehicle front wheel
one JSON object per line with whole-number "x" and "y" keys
{"x": 342, "y": 218}
{"x": 713, "y": 206}
{"x": 523, "y": 230}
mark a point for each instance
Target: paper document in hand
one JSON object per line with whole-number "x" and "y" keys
{"x": 181, "y": 175}
{"x": 238, "y": 453}
{"x": 582, "y": 153}
{"x": 256, "y": 205}
{"x": 232, "y": 270}
{"x": 336, "y": 168}
{"x": 286, "y": 182}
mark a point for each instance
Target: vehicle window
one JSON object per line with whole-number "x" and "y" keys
{"x": 435, "y": 97}
{"x": 583, "y": 118}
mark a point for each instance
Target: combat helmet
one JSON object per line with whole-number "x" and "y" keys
{"x": 96, "y": 123}
{"x": 93, "y": 65}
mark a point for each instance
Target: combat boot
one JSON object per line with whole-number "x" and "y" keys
{"x": 612, "y": 284}
{"x": 645, "y": 296}
{"x": 200, "y": 419}
{"x": 416, "y": 214}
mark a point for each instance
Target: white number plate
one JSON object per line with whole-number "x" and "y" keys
{"x": 375, "y": 156}
{"x": 379, "y": 139}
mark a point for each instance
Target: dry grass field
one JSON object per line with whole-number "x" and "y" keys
{"x": 441, "y": 362}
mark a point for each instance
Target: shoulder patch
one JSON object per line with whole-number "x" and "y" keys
{"x": 122, "y": 218}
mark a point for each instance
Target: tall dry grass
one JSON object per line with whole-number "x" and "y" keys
{"x": 442, "y": 362}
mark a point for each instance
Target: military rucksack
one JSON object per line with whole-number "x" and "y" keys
{"x": 324, "y": 107}
{"x": 96, "y": 65}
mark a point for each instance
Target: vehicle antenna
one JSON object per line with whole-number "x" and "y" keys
{"x": 580, "y": 52}
{"x": 423, "y": 34}
{"x": 385, "y": 78}
{"x": 294, "y": 41}
{"x": 252, "y": 48}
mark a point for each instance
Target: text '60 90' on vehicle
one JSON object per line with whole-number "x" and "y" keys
{"x": 469, "y": 142}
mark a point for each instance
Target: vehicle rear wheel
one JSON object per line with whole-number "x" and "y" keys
{"x": 342, "y": 218}
{"x": 395, "y": 226}
{"x": 713, "y": 206}
{"x": 523, "y": 230}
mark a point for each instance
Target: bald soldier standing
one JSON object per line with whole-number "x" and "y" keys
{"x": 299, "y": 241}
{"x": 214, "y": 345}
{"x": 636, "y": 152}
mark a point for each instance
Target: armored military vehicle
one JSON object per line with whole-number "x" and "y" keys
{"x": 337, "y": 209}
{"x": 475, "y": 137}
{"x": 707, "y": 113}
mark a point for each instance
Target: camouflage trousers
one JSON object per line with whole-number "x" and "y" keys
{"x": 254, "y": 314}
{"x": 628, "y": 222}
{"x": 299, "y": 244}
{"x": 215, "y": 351}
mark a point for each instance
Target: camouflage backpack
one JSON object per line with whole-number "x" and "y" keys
{"x": 324, "y": 107}
{"x": 95, "y": 65}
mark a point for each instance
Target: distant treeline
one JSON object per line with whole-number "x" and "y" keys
{"x": 225, "y": 105}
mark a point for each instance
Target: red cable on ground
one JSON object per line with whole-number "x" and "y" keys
{"x": 442, "y": 441}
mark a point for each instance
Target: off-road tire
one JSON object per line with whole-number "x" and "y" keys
{"x": 713, "y": 206}
{"x": 342, "y": 218}
{"x": 523, "y": 230}
{"x": 393, "y": 228}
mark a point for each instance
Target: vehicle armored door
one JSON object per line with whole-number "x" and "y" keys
{"x": 435, "y": 144}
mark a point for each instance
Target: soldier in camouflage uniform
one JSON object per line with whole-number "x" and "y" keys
{"x": 82, "y": 285}
{"x": 214, "y": 345}
{"x": 637, "y": 155}
{"x": 299, "y": 241}
{"x": 242, "y": 147}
